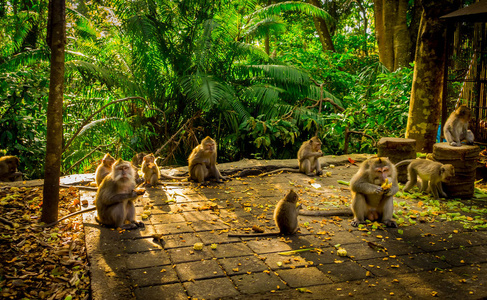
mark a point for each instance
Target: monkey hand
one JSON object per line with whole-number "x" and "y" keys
{"x": 379, "y": 190}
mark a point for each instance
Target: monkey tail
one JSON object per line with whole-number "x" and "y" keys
{"x": 326, "y": 213}
{"x": 404, "y": 162}
{"x": 279, "y": 170}
{"x": 165, "y": 176}
{"x": 70, "y": 215}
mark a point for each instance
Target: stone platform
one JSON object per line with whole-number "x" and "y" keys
{"x": 417, "y": 261}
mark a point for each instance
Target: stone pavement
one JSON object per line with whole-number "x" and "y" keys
{"x": 418, "y": 261}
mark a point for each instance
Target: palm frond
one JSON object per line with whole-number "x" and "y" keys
{"x": 279, "y": 8}
{"x": 261, "y": 28}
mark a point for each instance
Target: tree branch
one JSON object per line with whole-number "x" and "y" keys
{"x": 88, "y": 120}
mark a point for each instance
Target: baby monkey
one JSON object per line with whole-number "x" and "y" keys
{"x": 202, "y": 162}
{"x": 104, "y": 168}
{"x": 150, "y": 170}
{"x": 431, "y": 174}
{"x": 373, "y": 188}
{"x": 456, "y": 127}
{"x": 285, "y": 217}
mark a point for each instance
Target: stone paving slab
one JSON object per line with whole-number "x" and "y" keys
{"x": 419, "y": 261}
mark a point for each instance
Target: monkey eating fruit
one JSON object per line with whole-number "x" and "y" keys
{"x": 285, "y": 217}
{"x": 115, "y": 198}
{"x": 456, "y": 127}
{"x": 431, "y": 174}
{"x": 150, "y": 170}
{"x": 373, "y": 188}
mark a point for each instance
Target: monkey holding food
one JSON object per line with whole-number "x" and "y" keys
{"x": 8, "y": 168}
{"x": 115, "y": 197}
{"x": 285, "y": 217}
{"x": 104, "y": 168}
{"x": 456, "y": 127}
{"x": 373, "y": 188}
{"x": 308, "y": 156}
{"x": 150, "y": 170}
{"x": 202, "y": 162}
{"x": 431, "y": 173}
{"x": 138, "y": 159}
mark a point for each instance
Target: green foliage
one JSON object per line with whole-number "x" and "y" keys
{"x": 264, "y": 134}
{"x": 202, "y": 61}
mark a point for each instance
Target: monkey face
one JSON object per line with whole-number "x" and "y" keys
{"x": 380, "y": 174}
{"x": 209, "y": 147}
{"x": 150, "y": 158}
{"x": 108, "y": 160}
{"x": 447, "y": 172}
{"x": 122, "y": 171}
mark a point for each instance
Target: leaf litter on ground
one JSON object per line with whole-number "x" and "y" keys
{"x": 41, "y": 263}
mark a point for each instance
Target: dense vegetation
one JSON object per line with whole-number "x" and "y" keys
{"x": 202, "y": 67}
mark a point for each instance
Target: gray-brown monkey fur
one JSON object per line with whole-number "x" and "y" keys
{"x": 431, "y": 173}
{"x": 285, "y": 217}
{"x": 369, "y": 200}
{"x": 115, "y": 196}
{"x": 308, "y": 156}
{"x": 456, "y": 127}
{"x": 104, "y": 168}
{"x": 286, "y": 213}
{"x": 202, "y": 162}
{"x": 150, "y": 170}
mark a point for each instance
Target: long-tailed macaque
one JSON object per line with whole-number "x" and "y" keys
{"x": 308, "y": 156}
{"x": 456, "y": 127}
{"x": 115, "y": 196}
{"x": 373, "y": 188}
{"x": 202, "y": 161}
{"x": 104, "y": 168}
{"x": 308, "y": 159}
{"x": 150, "y": 170}
{"x": 431, "y": 174}
{"x": 138, "y": 159}
{"x": 285, "y": 217}
{"x": 8, "y": 168}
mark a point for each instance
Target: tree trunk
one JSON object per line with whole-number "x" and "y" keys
{"x": 389, "y": 20}
{"x": 56, "y": 37}
{"x": 392, "y": 33}
{"x": 402, "y": 50}
{"x": 379, "y": 29}
{"x": 426, "y": 93}
{"x": 322, "y": 29}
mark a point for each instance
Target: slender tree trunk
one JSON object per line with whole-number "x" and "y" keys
{"x": 426, "y": 93}
{"x": 56, "y": 37}
{"x": 402, "y": 43}
{"x": 389, "y": 20}
{"x": 392, "y": 33}
{"x": 322, "y": 29}
{"x": 379, "y": 29}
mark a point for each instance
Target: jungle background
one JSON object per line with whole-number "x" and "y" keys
{"x": 260, "y": 77}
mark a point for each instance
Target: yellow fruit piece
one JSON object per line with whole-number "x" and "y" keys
{"x": 386, "y": 185}
{"x": 198, "y": 246}
{"x": 342, "y": 252}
